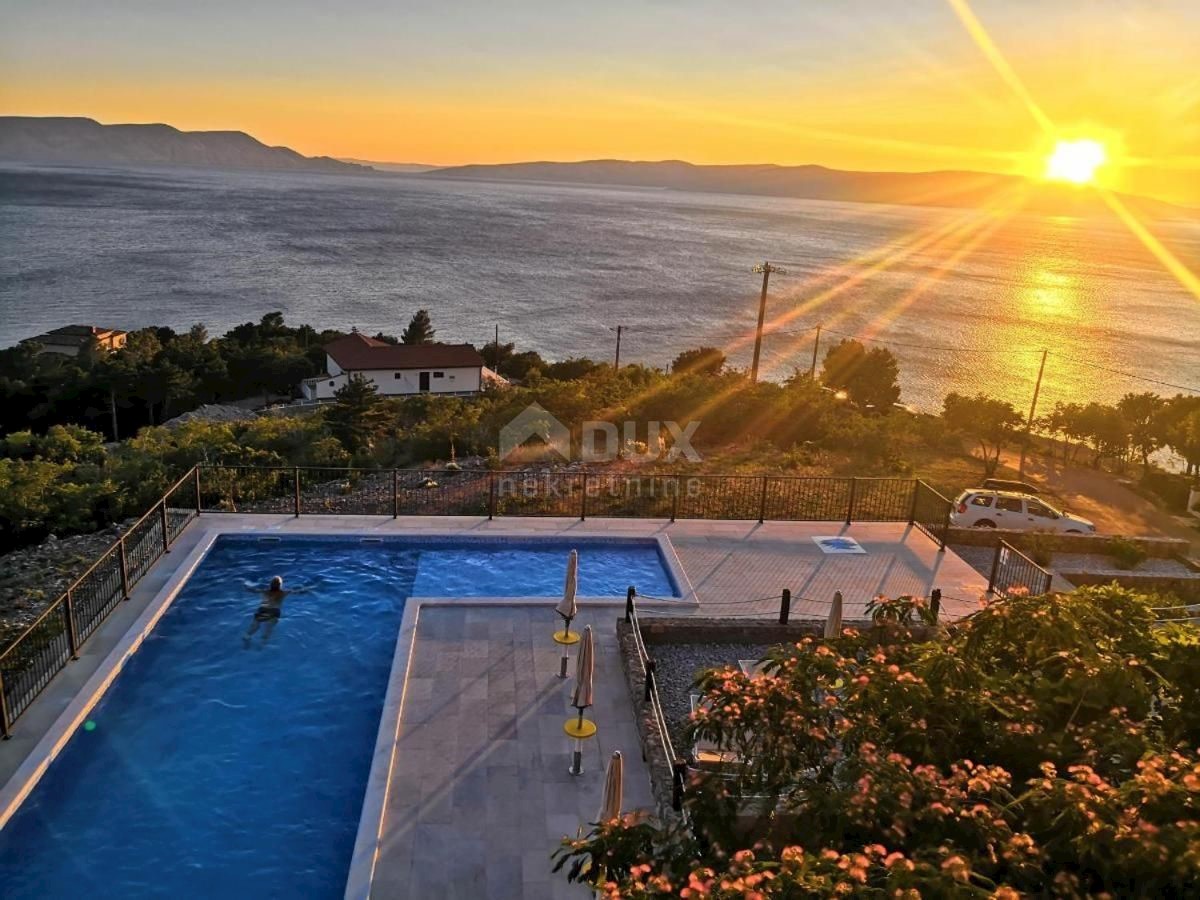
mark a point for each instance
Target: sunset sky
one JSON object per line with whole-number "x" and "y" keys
{"x": 852, "y": 84}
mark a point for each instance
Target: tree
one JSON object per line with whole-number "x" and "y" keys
{"x": 419, "y": 330}
{"x": 990, "y": 422}
{"x": 572, "y": 369}
{"x": 700, "y": 361}
{"x": 1183, "y": 431}
{"x": 358, "y": 415}
{"x": 1106, "y": 431}
{"x": 869, "y": 377}
{"x": 1143, "y": 414}
{"x": 521, "y": 366}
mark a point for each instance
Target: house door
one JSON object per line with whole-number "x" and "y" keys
{"x": 423, "y": 382}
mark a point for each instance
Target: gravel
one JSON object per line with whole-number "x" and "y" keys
{"x": 212, "y": 412}
{"x": 677, "y": 667}
{"x": 33, "y": 577}
{"x": 1099, "y": 562}
{"x": 978, "y": 558}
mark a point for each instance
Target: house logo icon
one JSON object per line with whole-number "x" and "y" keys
{"x": 535, "y": 421}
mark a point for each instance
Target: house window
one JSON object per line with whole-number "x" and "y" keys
{"x": 398, "y": 375}
{"x": 332, "y": 383}
{"x": 439, "y": 374}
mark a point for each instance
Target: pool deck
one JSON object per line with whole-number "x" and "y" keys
{"x": 478, "y": 791}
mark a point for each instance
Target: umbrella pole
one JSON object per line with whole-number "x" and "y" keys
{"x": 577, "y": 754}
{"x": 562, "y": 669}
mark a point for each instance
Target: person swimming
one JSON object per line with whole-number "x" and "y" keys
{"x": 269, "y": 609}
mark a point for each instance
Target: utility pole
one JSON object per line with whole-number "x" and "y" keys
{"x": 617, "y": 358}
{"x": 1037, "y": 389}
{"x": 496, "y": 349}
{"x": 812, "y": 372}
{"x": 766, "y": 269}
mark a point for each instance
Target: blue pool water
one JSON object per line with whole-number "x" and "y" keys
{"x": 214, "y": 770}
{"x": 536, "y": 569}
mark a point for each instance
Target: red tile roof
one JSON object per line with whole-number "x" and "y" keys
{"x": 357, "y": 352}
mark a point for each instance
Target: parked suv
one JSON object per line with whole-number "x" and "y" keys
{"x": 1020, "y": 512}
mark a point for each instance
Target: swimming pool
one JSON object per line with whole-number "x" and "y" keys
{"x": 212, "y": 768}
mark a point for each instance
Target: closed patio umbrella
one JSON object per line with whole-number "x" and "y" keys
{"x": 614, "y": 783}
{"x": 585, "y": 670}
{"x": 833, "y": 624}
{"x": 582, "y": 698}
{"x": 568, "y": 608}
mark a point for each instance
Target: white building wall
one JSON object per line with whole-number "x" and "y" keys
{"x": 397, "y": 383}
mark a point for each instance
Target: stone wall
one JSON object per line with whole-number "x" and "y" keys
{"x": 1156, "y": 548}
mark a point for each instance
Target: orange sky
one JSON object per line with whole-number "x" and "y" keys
{"x": 867, "y": 85}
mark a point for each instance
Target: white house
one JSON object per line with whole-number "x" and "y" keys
{"x": 400, "y": 369}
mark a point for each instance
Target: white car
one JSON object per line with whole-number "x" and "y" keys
{"x": 1018, "y": 512}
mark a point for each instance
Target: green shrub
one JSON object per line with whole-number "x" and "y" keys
{"x": 1039, "y": 546}
{"x": 1125, "y": 553}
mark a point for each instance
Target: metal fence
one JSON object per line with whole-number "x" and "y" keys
{"x": 931, "y": 512}
{"x": 54, "y": 638}
{"x": 658, "y": 718}
{"x": 1015, "y": 574}
{"x": 451, "y": 492}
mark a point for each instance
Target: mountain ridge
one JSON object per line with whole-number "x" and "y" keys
{"x": 78, "y": 140}
{"x": 947, "y": 187}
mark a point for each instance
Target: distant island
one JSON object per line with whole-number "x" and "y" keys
{"x": 812, "y": 182}
{"x": 85, "y": 142}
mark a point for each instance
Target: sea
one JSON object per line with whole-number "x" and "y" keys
{"x": 966, "y": 299}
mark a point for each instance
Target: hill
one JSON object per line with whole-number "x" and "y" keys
{"x": 399, "y": 168}
{"x": 811, "y": 182}
{"x": 81, "y": 141}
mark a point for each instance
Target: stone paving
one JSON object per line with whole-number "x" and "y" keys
{"x": 480, "y": 793}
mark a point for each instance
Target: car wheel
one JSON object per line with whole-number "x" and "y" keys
{"x": 985, "y": 523}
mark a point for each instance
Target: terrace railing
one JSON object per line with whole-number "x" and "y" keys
{"x": 473, "y": 492}
{"x": 1013, "y": 573}
{"x": 658, "y": 718}
{"x": 54, "y": 638}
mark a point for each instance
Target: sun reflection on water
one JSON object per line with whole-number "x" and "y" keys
{"x": 1051, "y": 294}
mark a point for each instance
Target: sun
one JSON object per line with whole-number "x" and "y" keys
{"x": 1076, "y": 161}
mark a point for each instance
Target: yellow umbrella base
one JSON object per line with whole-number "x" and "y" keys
{"x": 580, "y": 730}
{"x": 566, "y": 637}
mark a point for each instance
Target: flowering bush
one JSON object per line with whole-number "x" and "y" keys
{"x": 905, "y": 610}
{"x": 1046, "y": 745}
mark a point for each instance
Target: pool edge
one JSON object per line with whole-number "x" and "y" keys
{"x": 27, "y": 775}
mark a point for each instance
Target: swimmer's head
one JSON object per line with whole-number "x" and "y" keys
{"x": 277, "y": 583}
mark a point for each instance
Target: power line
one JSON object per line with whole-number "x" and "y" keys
{"x": 962, "y": 348}
{"x": 1146, "y": 378}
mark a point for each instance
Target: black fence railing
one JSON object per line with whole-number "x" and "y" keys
{"x": 54, "y": 638}
{"x": 931, "y": 512}
{"x": 473, "y": 492}
{"x": 1015, "y": 574}
{"x": 678, "y": 765}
